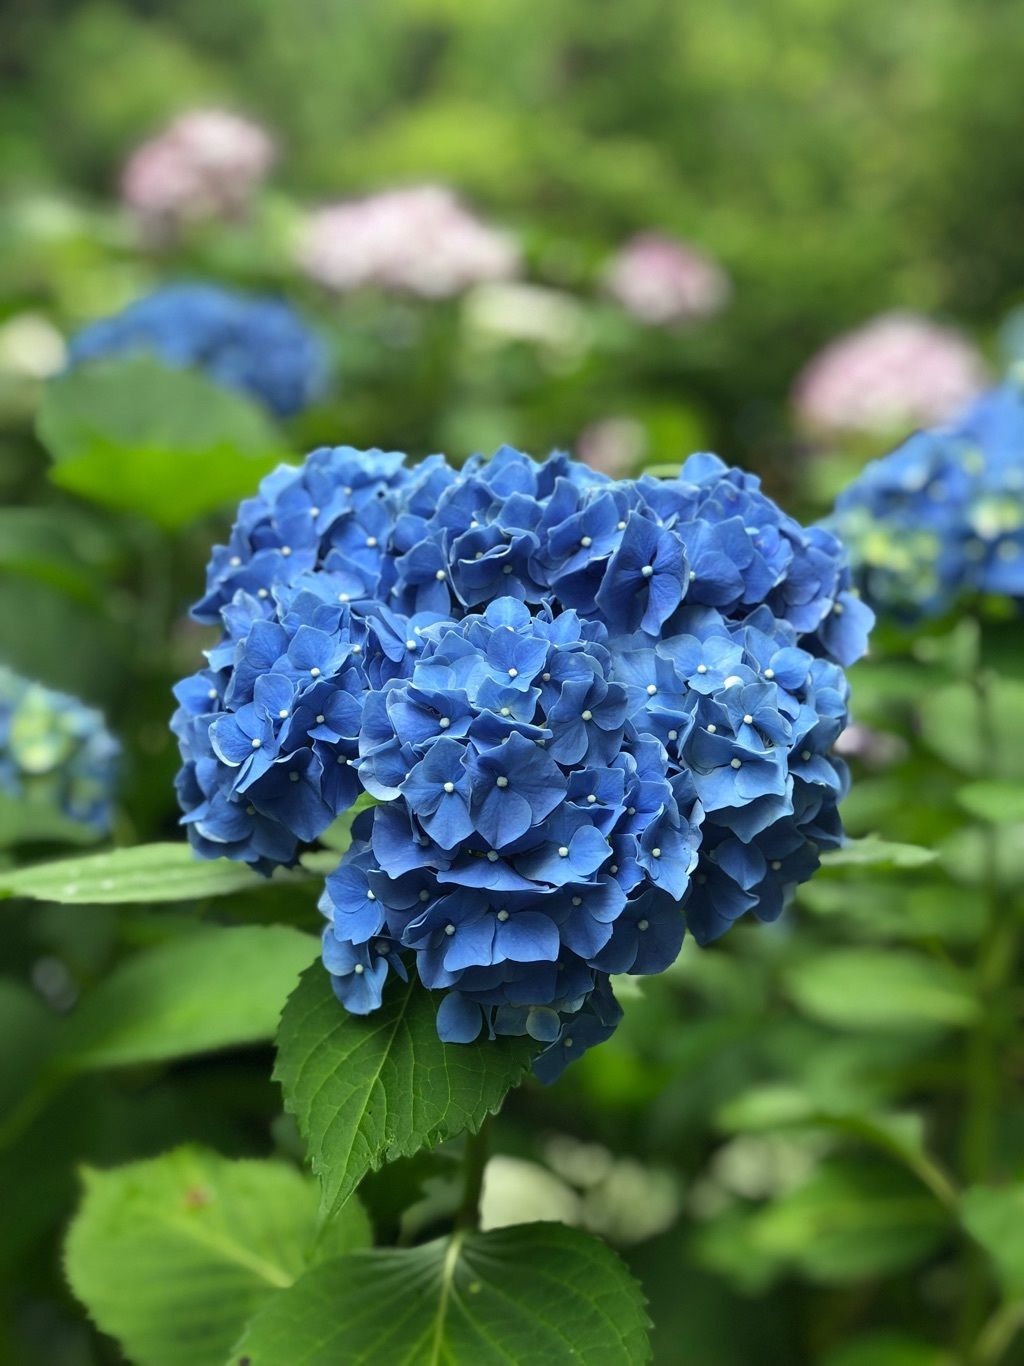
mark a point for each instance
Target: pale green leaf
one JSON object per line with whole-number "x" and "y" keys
{"x": 171, "y": 1256}
{"x": 995, "y": 1217}
{"x": 537, "y": 1293}
{"x": 140, "y": 436}
{"x": 998, "y": 803}
{"x": 881, "y": 989}
{"x": 217, "y": 988}
{"x": 872, "y": 852}
{"x": 368, "y": 1089}
{"x": 979, "y": 733}
{"x": 147, "y": 872}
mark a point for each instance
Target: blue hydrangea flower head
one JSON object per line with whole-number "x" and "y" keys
{"x": 591, "y": 715}
{"x": 941, "y": 518}
{"x": 57, "y": 758}
{"x": 258, "y": 345}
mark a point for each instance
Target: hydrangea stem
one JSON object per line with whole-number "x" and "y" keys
{"x": 474, "y": 1162}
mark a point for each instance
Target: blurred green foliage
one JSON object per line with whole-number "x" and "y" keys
{"x": 824, "y": 1116}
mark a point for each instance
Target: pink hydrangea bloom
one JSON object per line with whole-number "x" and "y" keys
{"x": 897, "y": 371}
{"x": 661, "y": 280}
{"x": 206, "y": 164}
{"x": 419, "y": 239}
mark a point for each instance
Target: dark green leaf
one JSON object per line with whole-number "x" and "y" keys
{"x": 513, "y": 1297}
{"x": 368, "y": 1089}
{"x": 136, "y": 435}
{"x": 173, "y": 1255}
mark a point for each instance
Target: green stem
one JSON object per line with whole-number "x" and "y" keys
{"x": 474, "y": 1162}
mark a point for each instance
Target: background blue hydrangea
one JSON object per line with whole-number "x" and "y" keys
{"x": 258, "y": 345}
{"x": 593, "y": 713}
{"x": 56, "y": 754}
{"x": 941, "y": 518}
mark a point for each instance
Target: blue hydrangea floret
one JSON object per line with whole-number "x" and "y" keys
{"x": 589, "y": 714}
{"x": 258, "y": 345}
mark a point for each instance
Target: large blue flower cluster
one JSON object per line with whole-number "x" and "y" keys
{"x": 257, "y": 345}
{"x": 57, "y": 758}
{"x": 942, "y": 516}
{"x": 591, "y": 713}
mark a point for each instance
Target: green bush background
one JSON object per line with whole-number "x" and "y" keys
{"x": 792, "y": 1100}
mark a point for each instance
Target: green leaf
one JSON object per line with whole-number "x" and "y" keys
{"x": 142, "y": 437}
{"x": 881, "y": 989}
{"x": 214, "y": 989}
{"x": 33, "y": 817}
{"x": 64, "y": 548}
{"x": 148, "y": 872}
{"x": 979, "y": 855}
{"x": 998, "y": 803}
{"x": 995, "y": 1217}
{"x": 872, "y": 852}
{"x": 173, "y": 1255}
{"x": 511, "y": 1297}
{"x": 852, "y": 1220}
{"x": 984, "y": 739}
{"x": 368, "y": 1089}
{"x": 29, "y": 1029}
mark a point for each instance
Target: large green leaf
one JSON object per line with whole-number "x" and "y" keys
{"x": 368, "y": 1089}
{"x": 881, "y": 989}
{"x": 513, "y": 1297}
{"x": 173, "y": 1255}
{"x": 213, "y": 989}
{"x": 147, "y": 872}
{"x": 139, "y": 436}
{"x": 995, "y": 1217}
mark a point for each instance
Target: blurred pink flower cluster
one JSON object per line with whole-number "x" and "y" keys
{"x": 661, "y": 280}
{"x": 897, "y": 371}
{"x": 419, "y": 239}
{"x": 206, "y": 164}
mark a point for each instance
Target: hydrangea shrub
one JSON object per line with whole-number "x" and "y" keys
{"x": 941, "y": 518}
{"x": 258, "y": 345}
{"x": 590, "y": 713}
{"x": 56, "y": 754}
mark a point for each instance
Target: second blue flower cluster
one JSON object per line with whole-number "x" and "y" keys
{"x": 941, "y": 518}
{"x": 257, "y": 345}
